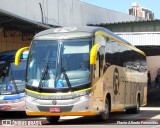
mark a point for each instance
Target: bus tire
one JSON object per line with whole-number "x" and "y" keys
{"x": 52, "y": 119}
{"x": 136, "y": 109}
{"x": 105, "y": 114}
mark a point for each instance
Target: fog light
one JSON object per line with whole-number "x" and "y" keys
{"x": 83, "y": 98}
{"x": 90, "y": 94}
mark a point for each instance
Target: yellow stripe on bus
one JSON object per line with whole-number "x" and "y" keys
{"x": 88, "y": 113}
{"x": 116, "y": 109}
{"x": 43, "y": 93}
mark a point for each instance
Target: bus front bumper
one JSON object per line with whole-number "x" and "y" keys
{"x": 81, "y": 106}
{"x": 19, "y": 106}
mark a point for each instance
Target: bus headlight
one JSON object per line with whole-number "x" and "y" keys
{"x": 83, "y": 98}
{"x": 90, "y": 94}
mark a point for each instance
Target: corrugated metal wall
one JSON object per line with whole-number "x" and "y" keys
{"x": 142, "y": 38}
{"x": 63, "y": 12}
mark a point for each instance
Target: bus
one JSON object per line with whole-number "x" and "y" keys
{"x": 83, "y": 71}
{"x": 12, "y": 82}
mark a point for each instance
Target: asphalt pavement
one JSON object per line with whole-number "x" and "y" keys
{"x": 150, "y": 112}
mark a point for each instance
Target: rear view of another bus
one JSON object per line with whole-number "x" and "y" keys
{"x": 12, "y": 82}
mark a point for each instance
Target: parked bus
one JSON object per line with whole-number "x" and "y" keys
{"x": 12, "y": 82}
{"x": 82, "y": 72}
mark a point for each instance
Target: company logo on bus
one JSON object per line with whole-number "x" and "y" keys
{"x": 54, "y": 102}
{"x": 116, "y": 81}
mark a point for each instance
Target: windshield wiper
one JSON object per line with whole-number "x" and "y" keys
{"x": 63, "y": 71}
{"x": 14, "y": 83}
{"x": 43, "y": 76}
{"x": 67, "y": 79}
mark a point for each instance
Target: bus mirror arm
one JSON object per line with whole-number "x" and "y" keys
{"x": 18, "y": 55}
{"x": 93, "y": 54}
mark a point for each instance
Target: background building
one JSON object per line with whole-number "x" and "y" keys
{"x": 63, "y": 12}
{"x": 138, "y": 11}
{"x": 20, "y": 20}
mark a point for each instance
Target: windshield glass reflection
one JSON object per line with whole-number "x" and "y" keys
{"x": 59, "y": 64}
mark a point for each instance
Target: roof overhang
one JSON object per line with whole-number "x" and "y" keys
{"x": 12, "y": 22}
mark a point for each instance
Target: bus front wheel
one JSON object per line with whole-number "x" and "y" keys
{"x": 52, "y": 119}
{"x": 105, "y": 114}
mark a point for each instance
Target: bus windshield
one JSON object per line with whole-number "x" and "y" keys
{"x": 18, "y": 72}
{"x": 62, "y": 64}
{"x": 12, "y": 78}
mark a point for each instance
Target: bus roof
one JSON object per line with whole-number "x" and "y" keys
{"x": 85, "y": 31}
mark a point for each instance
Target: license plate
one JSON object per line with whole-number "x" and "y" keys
{"x": 54, "y": 109}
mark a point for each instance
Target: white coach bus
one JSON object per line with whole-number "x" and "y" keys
{"x": 83, "y": 71}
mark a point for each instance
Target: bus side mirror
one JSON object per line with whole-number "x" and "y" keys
{"x": 18, "y": 55}
{"x": 93, "y": 54}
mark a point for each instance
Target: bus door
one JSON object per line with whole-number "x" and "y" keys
{"x": 97, "y": 81}
{"x": 98, "y": 69}
{"x": 97, "y": 73}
